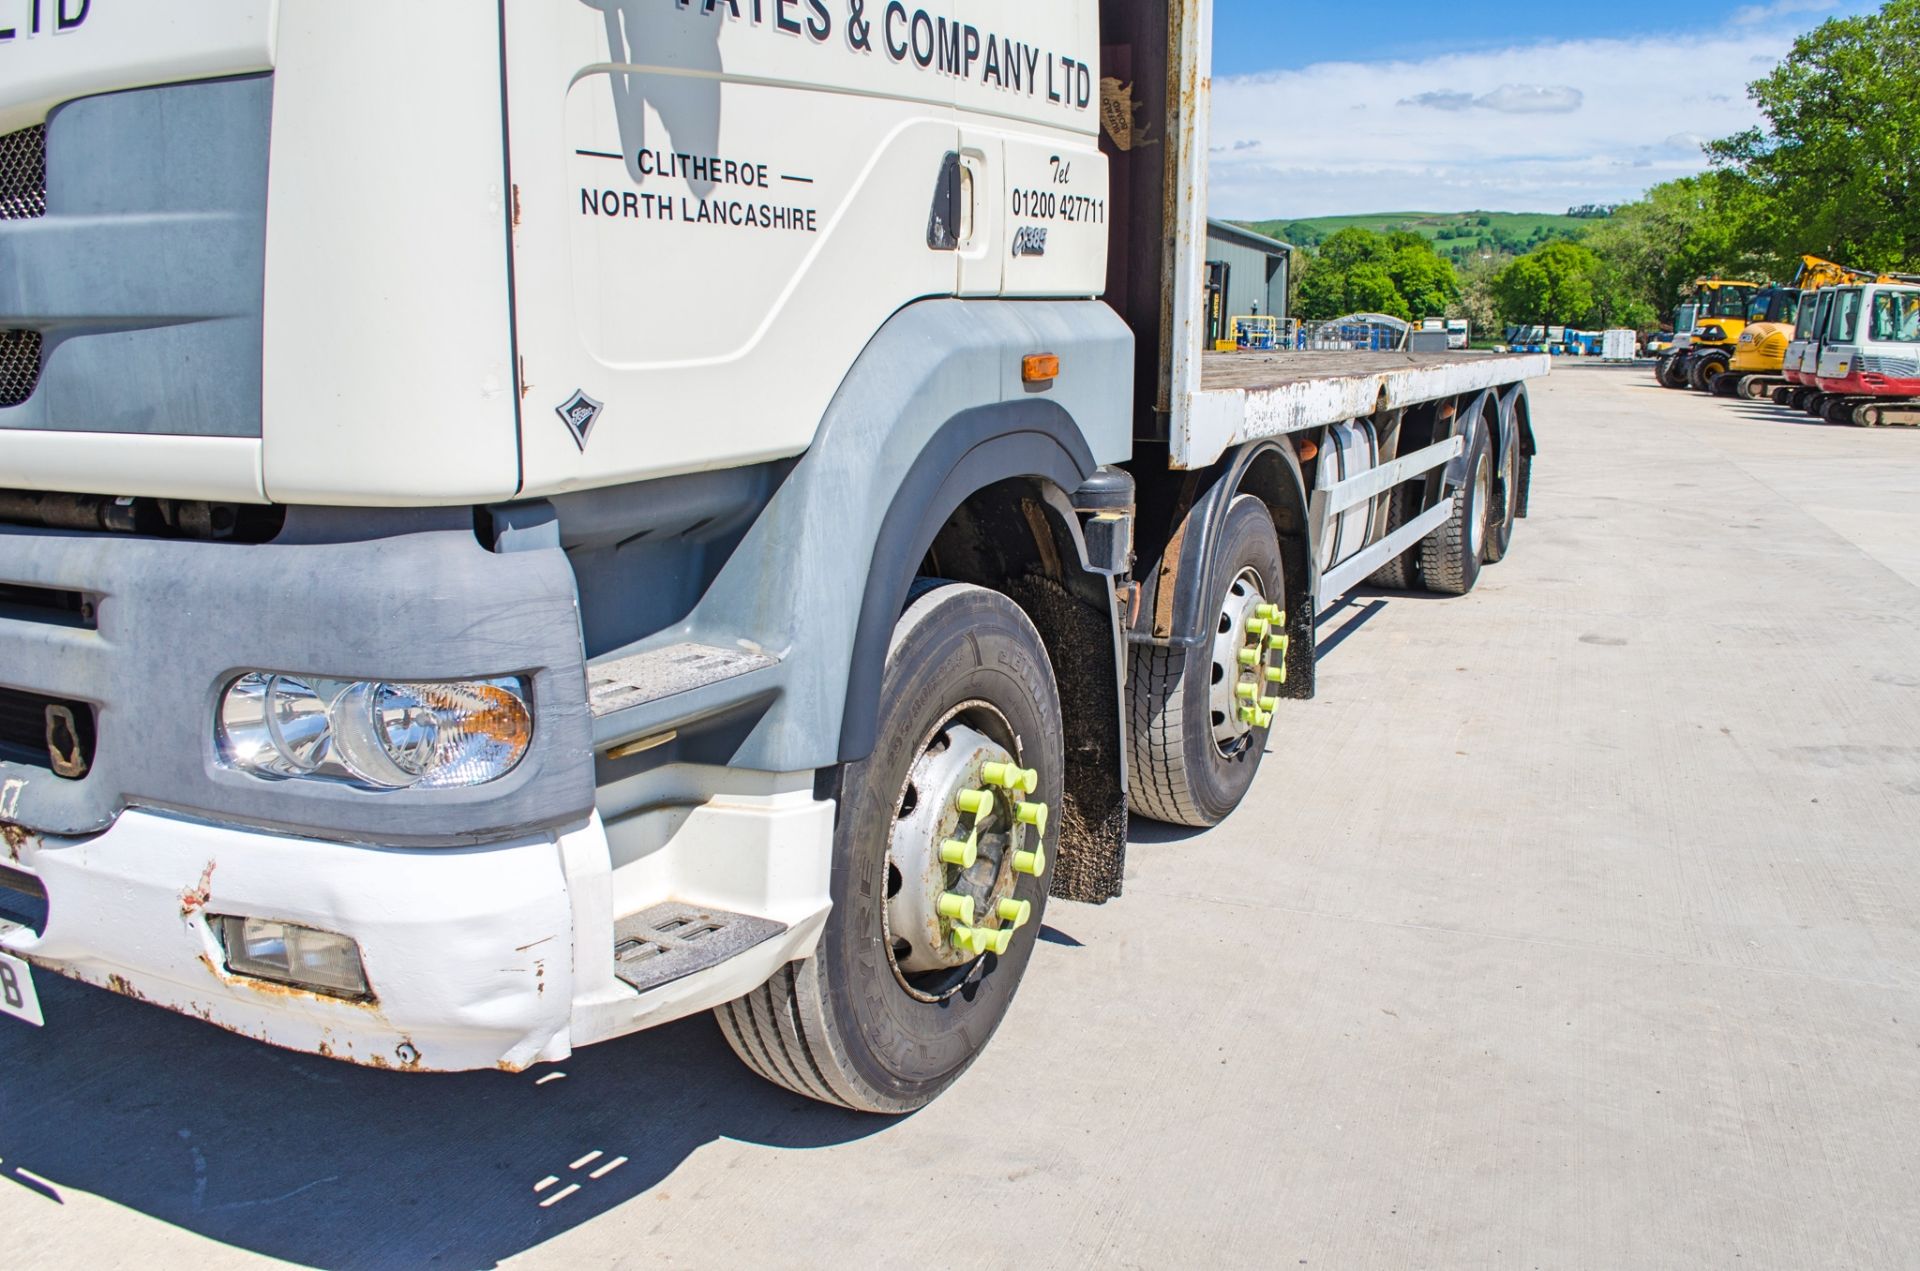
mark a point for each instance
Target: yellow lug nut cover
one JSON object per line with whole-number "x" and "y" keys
{"x": 1249, "y": 657}
{"x": 1268, "y": 705}
{"x": 1277, "y": 643}
{"x": 1276, "y": 675}
{"x": 1015, "y": 913}
{"x": 1264, "y": 721}
{"x": 1010, "y": 777}
{"x": 963, "y": 854}
{"x": 963, "y": 939}
{"x": 974, "y": 801}
{"x": 1034, "y": 814}
{"x": 1246, "y": 692}
{"x": 1258, "y": 626}
{"x": 957, "y": 908}
{"x": 1033, "y": 864}
{"x": 1000, "y": 941}
{"x": 1249, "y": 715}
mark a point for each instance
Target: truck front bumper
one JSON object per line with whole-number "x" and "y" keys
{"x": 493, "y": 957}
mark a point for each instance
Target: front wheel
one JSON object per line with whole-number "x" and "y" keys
{"x": 1703, "y": 371}
{"x": 941, "y": 846}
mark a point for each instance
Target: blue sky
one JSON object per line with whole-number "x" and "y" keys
{"x": 1391, "y": 105}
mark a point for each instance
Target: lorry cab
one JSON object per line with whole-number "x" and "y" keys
{"x": 523, "y": 522}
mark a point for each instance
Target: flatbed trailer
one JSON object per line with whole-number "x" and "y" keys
{"x": 746, "y": 542}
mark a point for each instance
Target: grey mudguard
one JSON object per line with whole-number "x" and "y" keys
{"x": 147, "y": 273}
{"x": 935, "y": 402}
{"x": 353, "y": 594}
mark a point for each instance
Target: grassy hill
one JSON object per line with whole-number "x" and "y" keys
{"x": 1457, "y": 234}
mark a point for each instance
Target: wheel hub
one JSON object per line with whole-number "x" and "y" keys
{"x": 966, "y": 836}
{"x": 1249, "y": 663}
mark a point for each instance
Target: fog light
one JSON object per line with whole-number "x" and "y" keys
{"x": 290, "y": 954}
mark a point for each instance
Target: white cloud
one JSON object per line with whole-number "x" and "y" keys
{"x": 1537, "y": 128}
{"x": 1508, "y": 99}
{"x": 1776, "y": 9}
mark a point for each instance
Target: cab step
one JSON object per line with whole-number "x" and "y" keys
{"x": 648, "y": 694}
{"x": 672, "y": 941}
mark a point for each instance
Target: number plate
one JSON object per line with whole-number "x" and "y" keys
{"x": 17, "y": 997}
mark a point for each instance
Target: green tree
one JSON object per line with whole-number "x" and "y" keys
{"x": 1359, "y": 271}
{"x": 1553, "y": 285}
{"x": 1837, "y": 163}
{"x": 1653, "y": 249}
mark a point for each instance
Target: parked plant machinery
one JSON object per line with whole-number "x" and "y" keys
{"x": 1758, "y": 365}
{"x": 1869, "y": 371}
{"x": 1706, "y": 328}
{"x": 1803, "y": 351}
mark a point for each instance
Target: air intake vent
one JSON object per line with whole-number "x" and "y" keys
{"x": 19, "y": 366}
{"x": 23, "y": 174}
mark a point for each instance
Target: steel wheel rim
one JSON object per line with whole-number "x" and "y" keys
{"x": 1477, "y": 514}
{"x": 916, "y": 937}
{"x": 1240, "y": 611}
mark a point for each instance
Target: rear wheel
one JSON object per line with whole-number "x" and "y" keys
{"x": 941, "y": 845}
{"x": 1200, "y": 716}
{"x": 1673, "y": 371}
{"x": 1508, "y": 482}
{"x": 1450, "y": 556}
{"x": 1402, "y": 572}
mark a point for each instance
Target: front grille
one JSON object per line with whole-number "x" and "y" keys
{"x": 46, "y": 732}
{"x": 23, "y": 174}
{"x": 23, "y": 197}
{"x": 19, "y": 366}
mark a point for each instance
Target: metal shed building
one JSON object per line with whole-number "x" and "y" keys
{"x": 1256, "y": 268}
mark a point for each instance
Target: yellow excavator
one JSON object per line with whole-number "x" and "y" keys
{"x": 1760, "y": 354}
{"x": 1707, "y": 329}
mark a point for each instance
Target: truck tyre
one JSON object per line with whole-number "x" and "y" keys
{"x": 942, "y": 842}
{"x": 1402, "y": 572}
{"x": 1196, "y": 739}
{"x": 1673, "y": 371}
{"x": 1509, "y": 486}
{"x": 1450, "y": 556}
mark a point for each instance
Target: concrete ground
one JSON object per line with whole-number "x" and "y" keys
{"x": 1576, "y": 925}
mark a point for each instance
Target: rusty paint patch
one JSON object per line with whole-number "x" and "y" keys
{"x": 195, "y": 898}
{"x": 18, "y": 839}
{"x": 121, "y": 985}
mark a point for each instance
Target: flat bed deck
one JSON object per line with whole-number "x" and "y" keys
{"x": 1256, "y": 371}
{"x": 1247, "y": 396}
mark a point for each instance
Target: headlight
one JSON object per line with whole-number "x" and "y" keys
{"x": 387, "y": 736}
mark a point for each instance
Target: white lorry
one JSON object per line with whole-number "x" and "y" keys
{"x": 524, "y": 521}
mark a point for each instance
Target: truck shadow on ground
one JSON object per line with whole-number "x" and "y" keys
{"x": 334, "y": 1166}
